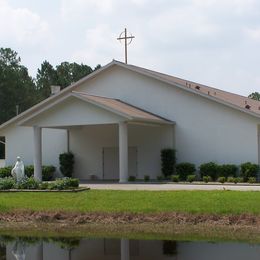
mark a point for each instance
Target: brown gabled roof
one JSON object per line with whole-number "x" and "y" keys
{"x": 244, "y": 103}
{"x": 120, "y": 107}
{"x": 241, "y": 103}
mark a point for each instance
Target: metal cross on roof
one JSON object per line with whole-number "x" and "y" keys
{"x": 127, "y": 40}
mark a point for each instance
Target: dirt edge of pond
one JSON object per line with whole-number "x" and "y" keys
{"x": 181, "y": 226}
{"x": 130, "y": 218}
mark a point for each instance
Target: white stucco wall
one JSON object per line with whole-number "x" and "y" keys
{"x": 87, "y": 143}
{"x": 2, "y": 163}
{"x": 19, "y": 141}
{"x": 205, "y": 130}
{"x": 71, "y": 112}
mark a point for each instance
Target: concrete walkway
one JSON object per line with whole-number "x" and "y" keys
{"x": 169, "y": 186}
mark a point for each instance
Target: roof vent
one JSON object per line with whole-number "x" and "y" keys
{"x": 197, "y": 87}
{"x": 55, "y": 90}
{"x": 247, "y": 107}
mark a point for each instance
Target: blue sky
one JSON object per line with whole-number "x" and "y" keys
{"x": 213, "y": 42}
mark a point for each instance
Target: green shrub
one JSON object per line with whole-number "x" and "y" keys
{"x": 5, "y": 172}
{"x": 146, "y": 178}
{"x": 66, "y": 164}
{"x": 48, "y": 172}
{"x": 175, "y": 178}
{"x": 7, "y": 183}
{"x": 28, "y": 183}
{"x": 191, "y": 178}
{"x": 64, "y": 183}
{"x": 227, "y": 170}
{"x": 160, "y": 178}
{"x": 71, "y": 182}
{"x": 248, "y": 170}
{"x": 168, "y": 160}
{"x": 209, "y": 169}
{"x": 206, "y": 179}
{"x": 251, "y": 180}
{"x": 222, "y": 179}
{"x": 184, "y": 169}
{"x": 44, "y": 186}
{"x": 231, "y": 179}
{"x": 131, "y": 178}
{"x": 29, "y": 170}
{"x": 238, "y": 180}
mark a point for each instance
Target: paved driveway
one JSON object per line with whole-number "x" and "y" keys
{"x": 169, "y": 186}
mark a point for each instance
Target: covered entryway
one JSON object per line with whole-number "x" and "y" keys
{"x": 94, "y": 121}
{"x": 111, "y": 162}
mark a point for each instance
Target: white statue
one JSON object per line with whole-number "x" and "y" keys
{"x": 18, "y": 170}
{"x": 19, "y": 250}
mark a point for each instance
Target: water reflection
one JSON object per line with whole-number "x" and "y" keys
{"x": 122, "y": 249}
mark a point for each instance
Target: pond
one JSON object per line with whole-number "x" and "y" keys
{"x": 29, "y": 248}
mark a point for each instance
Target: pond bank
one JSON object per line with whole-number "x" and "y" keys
{"x": 179, "y": 226}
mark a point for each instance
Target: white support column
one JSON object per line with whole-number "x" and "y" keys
{"x": 37, "y": 132}
{"x": 38, "y": 251}
{"x": 125, "y": 254}
{"x": 123, "y": 152}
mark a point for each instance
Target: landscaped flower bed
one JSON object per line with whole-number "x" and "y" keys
{"x": 32, "y": 184}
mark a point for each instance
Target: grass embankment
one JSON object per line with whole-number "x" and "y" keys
{"x": 207, "y": 215}
{"x": 200, "y": 202}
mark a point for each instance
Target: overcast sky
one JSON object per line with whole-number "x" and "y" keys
{"x": 213, "y": 42}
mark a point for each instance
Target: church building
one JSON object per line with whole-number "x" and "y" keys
{"x": 117, "y": 120}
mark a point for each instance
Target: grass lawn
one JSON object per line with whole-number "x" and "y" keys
{"x": 219, "y": 202}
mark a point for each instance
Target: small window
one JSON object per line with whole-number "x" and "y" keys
{"x": 2, "y": 147}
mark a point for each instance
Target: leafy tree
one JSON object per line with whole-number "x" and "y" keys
{"x": 255, "y": 96}
{"x": 63, "y": 75}
{"x": 69, "y": 73}
{"x": 46, "y": 76}
{"x": 17, "y": 88}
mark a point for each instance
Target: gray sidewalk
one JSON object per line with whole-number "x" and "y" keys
{"x": 169, "y": 186}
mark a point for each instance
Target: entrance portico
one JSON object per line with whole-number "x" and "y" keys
{"x": 79, "y": 111}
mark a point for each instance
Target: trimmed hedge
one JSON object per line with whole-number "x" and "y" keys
{"x": 7, "y": 183}
{"x": 184, "y": 169}
{"x": 248, "y": 170}
{"x": 5, "y": 172}
{"x": 47, "y": 172}
{"x": 66, "y": 164}
{"x": 168, "y": 161}
{"x": 32, "y": 184}
{"x": 209, "y": 169}
{"x": 227, "y": 170}
{"x": 64, "y": 184}
{"x": 191, "y": 178}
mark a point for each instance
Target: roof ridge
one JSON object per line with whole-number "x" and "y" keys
{"x": 91, "y": 95}
{"x": 187, "y": 80}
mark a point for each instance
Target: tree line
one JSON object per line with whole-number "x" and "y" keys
{"x": 19, "y": 91}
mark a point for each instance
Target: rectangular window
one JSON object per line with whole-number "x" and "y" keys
{"x": 2, "y": 147}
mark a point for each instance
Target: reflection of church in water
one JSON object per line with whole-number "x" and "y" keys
{"x": 124, "y": 249}
{"x": 94, "y": 249}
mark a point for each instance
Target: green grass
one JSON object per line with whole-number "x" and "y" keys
{"x": 218, "y": 202}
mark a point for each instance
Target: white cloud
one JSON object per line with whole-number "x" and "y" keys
{"x": 100, "y": 46}
{"x": 22, "y": 26}
{"x": 80, "y": 7}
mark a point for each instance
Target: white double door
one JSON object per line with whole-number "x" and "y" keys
{"x": 111, "y": 162}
